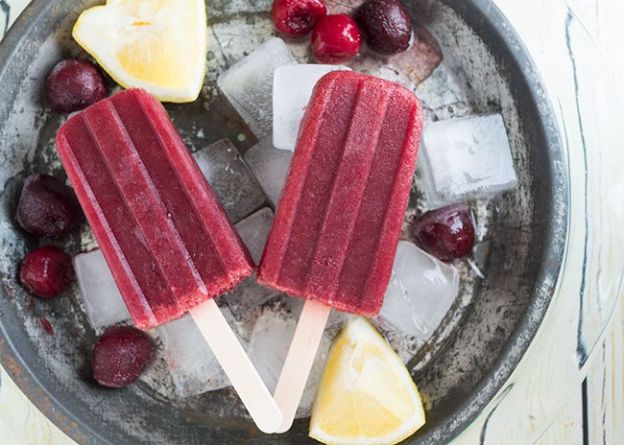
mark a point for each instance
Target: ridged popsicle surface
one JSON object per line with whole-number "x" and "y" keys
{"x": 163, "y": 232}
{"x": 338, "y": 222}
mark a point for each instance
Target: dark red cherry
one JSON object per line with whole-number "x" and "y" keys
{"x": 47, "y": 207}
{"x": 336, "y": 39}
{"x": 386, "y": 25}
{"x": 120, "y": 356}
{"x": 74, "y": 84}
{"x": 47, "y": 271}
{"x": 446, "y": 233}
{"x": 297, "y": 17}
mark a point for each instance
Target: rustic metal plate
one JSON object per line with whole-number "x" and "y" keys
{"x": 459, "y": 370}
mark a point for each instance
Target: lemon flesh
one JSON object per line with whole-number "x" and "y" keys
{"x": 366, "y": 395}
{"x": 157, "y": 45}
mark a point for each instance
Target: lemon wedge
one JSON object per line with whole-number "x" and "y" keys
{"x": 366, "y": 395}
{"x": 157, "y": 45}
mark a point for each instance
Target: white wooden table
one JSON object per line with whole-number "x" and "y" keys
{"x": 569, "y": 387}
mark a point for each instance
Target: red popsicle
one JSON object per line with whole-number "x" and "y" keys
{"x": 339, "y": 218}
{"x": 337, "y": 226}
{"x": 165, "y": 237}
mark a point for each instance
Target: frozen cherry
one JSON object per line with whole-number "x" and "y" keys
{"x": 386, "y": 25}
{"x": 74, "y": 84}
{"x": 120, "y": 355}
{"x": 446, "y": 233}
{"x": 336, "y": 39}
{"x": 47, "y": 271}
{"x": 297, "y": 17}
{"x": 47, "y": 207}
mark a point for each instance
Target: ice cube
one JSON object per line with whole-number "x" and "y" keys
{"x": 248, "y": 85}
{"x": 421, "y": 291}
{"x": 335, "y": 321}
{"x": 254, "y": 231}
{"x": 464, "y": 159}
{"x": 343, "y": 6}
{"x": 292, "y": 89}
{"x": 270, "y": 167}
{"x": 99, "y": 293}
{"x": 246, "y": 296}
{"x": 405, "y": 345}
{"x": 270, "y": 340}
{"x": 480, "y": 254}
{"x": 443, "y": 94}
{"x": 192, "y": 365}
{"x": 230, "y": 179}
{"x": 314, "y": 379}
{"x": 410, "y": 67}
{"x": 421, "y": 59}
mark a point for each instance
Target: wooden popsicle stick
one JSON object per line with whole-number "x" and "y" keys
{"x": 236, "y": 364}
{"x": 299, "y": 360}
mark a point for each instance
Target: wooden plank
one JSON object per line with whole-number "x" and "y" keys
{"x": 605, "y": 387}
{"x": 605, "y": 380}
{"x": 568, "y": 428}
{"x": 9, "y": 11}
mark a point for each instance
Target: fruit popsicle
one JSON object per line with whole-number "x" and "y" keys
{"x": 337, "y": 226}
{"x": 163, "y": 233}
{"x": 339, "y": 218}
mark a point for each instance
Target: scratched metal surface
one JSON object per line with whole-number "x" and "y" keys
{"x": 458, "y": 376}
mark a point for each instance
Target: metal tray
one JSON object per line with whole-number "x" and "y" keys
{"x": 458, "y": 371}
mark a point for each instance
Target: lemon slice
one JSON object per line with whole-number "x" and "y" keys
{"x": 158, "y": 45}
{"x": 366, "y": 395}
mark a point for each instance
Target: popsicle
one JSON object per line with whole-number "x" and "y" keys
{"x": 163, "y": 233}
{"x": 338, "y": 222}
